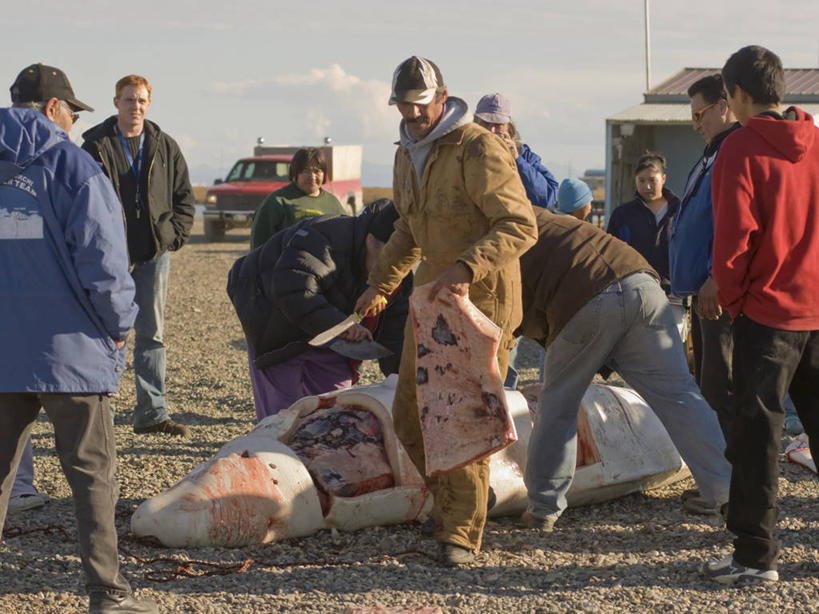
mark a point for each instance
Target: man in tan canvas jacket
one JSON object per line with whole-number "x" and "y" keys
{"x": 464, "y": 214}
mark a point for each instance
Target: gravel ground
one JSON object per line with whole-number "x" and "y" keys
{"x": 636, "y": 554}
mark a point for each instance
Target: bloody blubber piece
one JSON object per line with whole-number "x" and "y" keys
{"x": 463, "y": 412}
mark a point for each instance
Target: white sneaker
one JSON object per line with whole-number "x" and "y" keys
{"x": 728, "y": 571}
{"x": 21, "y": 503}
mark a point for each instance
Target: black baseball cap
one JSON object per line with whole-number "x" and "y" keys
{"x": 416, "y": 80}
{"x": 39, "y": 83}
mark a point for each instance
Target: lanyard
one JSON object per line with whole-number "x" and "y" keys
{"x": 136, "y": 168}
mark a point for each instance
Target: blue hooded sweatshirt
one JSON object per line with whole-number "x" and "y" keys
{"x": 66, "y": 295}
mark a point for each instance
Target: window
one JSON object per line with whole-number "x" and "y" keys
{"x": 259, "y": 170}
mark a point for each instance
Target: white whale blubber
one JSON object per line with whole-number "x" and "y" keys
{"x": 257, "y": 490}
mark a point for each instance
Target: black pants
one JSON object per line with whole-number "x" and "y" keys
{"x": 713, "y": 347}
{"x": 766, "y": 361}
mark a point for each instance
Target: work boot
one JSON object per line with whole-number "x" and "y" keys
{"x": 103, "y": 603}
{"x": 166, "y": 427}
{"x": 453, "y": 556}
{"x": 546, "y": 524}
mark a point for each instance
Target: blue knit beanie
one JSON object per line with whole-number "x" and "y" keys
{"x": 572, "y": 195}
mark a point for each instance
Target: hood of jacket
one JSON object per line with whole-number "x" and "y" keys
{"x": 454, "y": 115}
{"x": 25, "y": 135}
{"x": 792, "y": 136}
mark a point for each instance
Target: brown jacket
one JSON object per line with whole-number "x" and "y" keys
{"x": 570, "y": 264}
{"x": 470, "y": 206}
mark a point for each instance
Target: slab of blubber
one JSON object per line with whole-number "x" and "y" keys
{"x": 461, "y": 403}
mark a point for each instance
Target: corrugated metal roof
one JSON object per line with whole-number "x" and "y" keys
{"x": 654, "y": 113}
{"x": 801, "y": 85}
{"x": 675, "y": 113}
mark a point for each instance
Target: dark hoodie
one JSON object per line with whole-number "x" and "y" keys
{"x": 766, "y": 216}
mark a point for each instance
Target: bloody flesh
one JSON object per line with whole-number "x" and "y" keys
{"x": 461, "y": 402}
{"x": 343, "y": 449}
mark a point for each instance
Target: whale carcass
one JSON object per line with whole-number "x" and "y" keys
{"x": 335, "y": 461}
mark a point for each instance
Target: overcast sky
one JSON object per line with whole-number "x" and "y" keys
{"x": 225, "y": 73}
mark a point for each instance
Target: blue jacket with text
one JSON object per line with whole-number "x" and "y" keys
{"x": 66, "y": 295}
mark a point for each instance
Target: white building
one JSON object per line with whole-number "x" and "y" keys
{"x": 662, "y": 123}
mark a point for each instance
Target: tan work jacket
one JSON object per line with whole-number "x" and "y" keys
{"x": 470, "y": 206}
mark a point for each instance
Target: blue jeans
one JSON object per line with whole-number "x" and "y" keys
{"x": 24, "y": 480}
{"x": 630, "y": 328}
{"x": 151, "y": 280}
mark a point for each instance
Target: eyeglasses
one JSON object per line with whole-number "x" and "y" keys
{"x": 697, "y": 115}
{"x": 74, "y": 116}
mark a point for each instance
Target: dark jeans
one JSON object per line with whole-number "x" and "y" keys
{"x": 713, "y": 346}
{"x": 766, "y": 361}
{"x": 84, "y": 438}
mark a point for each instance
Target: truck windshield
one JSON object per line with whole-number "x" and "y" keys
{"x": 259, "y": 170}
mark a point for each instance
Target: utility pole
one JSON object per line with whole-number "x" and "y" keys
{"x": 648, "y": 46}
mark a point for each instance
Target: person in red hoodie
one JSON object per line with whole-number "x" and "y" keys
{"x": 765, "y": 191}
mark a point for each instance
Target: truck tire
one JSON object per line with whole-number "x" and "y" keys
{"x": 214, "y": 231}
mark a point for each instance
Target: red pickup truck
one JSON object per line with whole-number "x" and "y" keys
{"x": 233, "y": 202}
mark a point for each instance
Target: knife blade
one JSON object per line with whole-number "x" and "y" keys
{"x": 360, "y": 350}
{"x": 334, "y": 331}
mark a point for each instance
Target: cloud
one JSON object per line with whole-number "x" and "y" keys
{"x": 322, "y": 100}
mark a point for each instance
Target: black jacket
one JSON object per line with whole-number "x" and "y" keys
{"x": 170, "y": 196}
{"x": 305, "y": 279}
{"x": 635, "y": 224}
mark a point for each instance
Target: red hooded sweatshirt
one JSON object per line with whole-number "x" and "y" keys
{"x": 765, "y": 190}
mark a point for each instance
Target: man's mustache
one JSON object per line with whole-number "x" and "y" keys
{"x": 423, "y": 119}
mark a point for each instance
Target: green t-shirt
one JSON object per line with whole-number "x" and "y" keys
{"x": 287, "y": 206}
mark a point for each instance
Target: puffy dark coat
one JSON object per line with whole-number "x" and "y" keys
{"x": 305, "y": 279}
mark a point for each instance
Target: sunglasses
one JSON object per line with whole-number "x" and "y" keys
{"x": 697, "y": 115}
{"x": 67, "y": 107}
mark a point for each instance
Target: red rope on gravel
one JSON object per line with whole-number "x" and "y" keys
{"x": 173, "y": 568}
{"x": 183, "y": 568}
{"x": 19, "y": 531}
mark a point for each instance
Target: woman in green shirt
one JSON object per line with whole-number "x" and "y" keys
{"x": 302, "y": 197}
